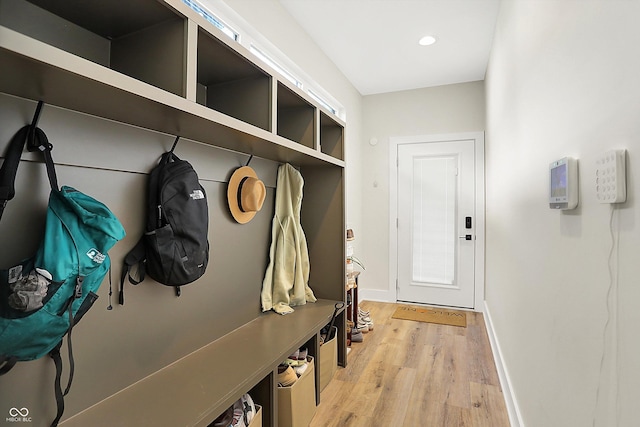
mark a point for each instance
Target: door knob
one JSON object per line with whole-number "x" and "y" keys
{"x": 466, "y": 237}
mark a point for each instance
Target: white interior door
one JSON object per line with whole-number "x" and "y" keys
{"x": 436, "y": 223}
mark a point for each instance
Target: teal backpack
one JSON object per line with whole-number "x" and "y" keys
{"x": 43, "y": 297}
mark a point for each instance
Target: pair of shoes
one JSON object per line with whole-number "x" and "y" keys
{"x": 298, "y": 358}
{"x": 362, "y": 326}
{"x": 356, "y": 335}
{"x": 294, "y": 363}
{"x": 302, "y": 354}
{"x": 364, "y": 321}
{"x": 244, "y": 409}
{"x": 365, "y": 324}
{"x": 286, "y": 376}
{"x": 224, "y": 420}
{"x": 300, "y": 369}
{"x": 299, "y": 354}
{"x": 350, "y": 325}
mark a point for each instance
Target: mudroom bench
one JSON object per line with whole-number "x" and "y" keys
{"x": 194, "y": 390}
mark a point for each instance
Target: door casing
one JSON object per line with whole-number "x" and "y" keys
{"x": 478, "y": 138}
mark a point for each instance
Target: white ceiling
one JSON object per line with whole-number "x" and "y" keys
{"x": 375, "y": 42}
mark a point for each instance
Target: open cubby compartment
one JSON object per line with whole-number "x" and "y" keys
{"x": 296, "y": 117}
{"x": 331, "y": 137}
{"x": 262, "y": 395}
{"x": 143, "y": 39}
{"x": 231, "y": 84}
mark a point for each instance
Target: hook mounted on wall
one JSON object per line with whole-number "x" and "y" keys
{"x": 249, "y": 161}
{"x": 175, "y": 143}
{"x": 33, "y": 143}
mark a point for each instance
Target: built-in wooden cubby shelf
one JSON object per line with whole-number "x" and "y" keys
{"x": 296, "y": 117}
{"x": 331, "y": 136}
{"x": 231, "y": 84}
{"x": 159, "y": 65}
{"x": 144, "y": 40}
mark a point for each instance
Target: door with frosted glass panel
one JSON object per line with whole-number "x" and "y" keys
{"x": 436, "y": 207}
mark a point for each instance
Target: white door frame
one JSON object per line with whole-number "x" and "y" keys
{"x": 478, "y": 138}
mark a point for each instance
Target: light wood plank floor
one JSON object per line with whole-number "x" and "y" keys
{"x": 415, "y": 374}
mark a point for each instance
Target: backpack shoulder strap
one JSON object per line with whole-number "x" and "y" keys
{"x": 6, "y": 363}
{"x": 9, "y": 167}
{"x": 57, "y": 360}
{"x": 136, "y": 256}
{"x": 154, "y": 192}
{"x": 43, "y": 145}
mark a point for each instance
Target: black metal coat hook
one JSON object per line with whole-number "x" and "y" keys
{"x": 175, "y": 143}
{"x": 33, "y": 143}
{"x": 249, "y": 161}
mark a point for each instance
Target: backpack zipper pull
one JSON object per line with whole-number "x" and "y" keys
{"x": 159, "y": 216}
{"x": 78, "y": 291}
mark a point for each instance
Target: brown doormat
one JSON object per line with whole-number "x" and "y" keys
{"x": 441, "y": 316}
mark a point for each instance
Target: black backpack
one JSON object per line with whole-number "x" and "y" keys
{"x": 174, "y": 249}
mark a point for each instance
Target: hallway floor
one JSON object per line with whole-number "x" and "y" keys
{"x": 409, "y": 373}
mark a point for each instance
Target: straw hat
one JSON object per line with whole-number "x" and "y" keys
{"x": 245, "y": 194}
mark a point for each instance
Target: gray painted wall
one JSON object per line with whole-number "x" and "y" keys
{"x": 439, "y": 110}
{"x": 116, "y": 348}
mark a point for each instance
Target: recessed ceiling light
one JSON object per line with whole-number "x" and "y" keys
{"x": 427, "y": 41}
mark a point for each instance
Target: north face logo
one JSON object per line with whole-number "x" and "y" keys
{"x": 197, "y": 195}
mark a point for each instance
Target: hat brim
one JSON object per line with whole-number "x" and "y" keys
{"x": 232, "y": 194}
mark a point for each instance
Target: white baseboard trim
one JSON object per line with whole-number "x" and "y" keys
{"x": 515, "y": 418}
{"x": 376, "y": 295}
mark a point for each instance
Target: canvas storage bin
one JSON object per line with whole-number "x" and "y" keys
{"x": 328, "y": 359}
{"x": 256, "y": 421}
{"x": 297, "y": 403}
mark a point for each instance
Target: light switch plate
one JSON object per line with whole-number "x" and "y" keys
{"x": 611, "y": 186}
